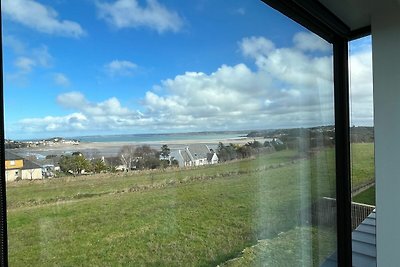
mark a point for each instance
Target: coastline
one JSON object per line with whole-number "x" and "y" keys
{"x": 112, "y": 148}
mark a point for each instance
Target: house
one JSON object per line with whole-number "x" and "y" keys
{"x": 19, "y": 168}
{"x": 196, "y": 155}
{"x": 31, "y": 170}
{"x": 13, "y": 166}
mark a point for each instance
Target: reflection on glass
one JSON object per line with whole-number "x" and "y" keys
{"x": 164, "y": 134}
{"x": 362, "y": 152}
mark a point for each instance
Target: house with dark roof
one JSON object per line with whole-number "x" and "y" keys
{"x": 31, "y": 170}
{"x": 196, "y": 155}
{"x": 19, "y": 168}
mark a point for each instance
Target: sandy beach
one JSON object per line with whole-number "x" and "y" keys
{"x": 112, "y": 148}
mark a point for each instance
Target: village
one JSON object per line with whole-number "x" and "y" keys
{"x": 58, "y": 157}
{"x": 129, "y": 158}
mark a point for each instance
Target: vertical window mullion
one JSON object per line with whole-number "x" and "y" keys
{"x": 3, "y": 207}
{"x": 342, "y": 146}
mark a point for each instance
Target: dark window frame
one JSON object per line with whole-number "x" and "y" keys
{"x": 317, "y": 18}
{"x": 3, "y": 205}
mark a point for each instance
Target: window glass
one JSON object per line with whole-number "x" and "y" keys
{"x": 167, "y": 133}
{"x": 362, "y": 130}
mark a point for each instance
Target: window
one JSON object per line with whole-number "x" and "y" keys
{"x": 172, "y": 82}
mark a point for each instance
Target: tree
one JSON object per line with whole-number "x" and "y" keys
{"x": 127, "y": 154}
{"x": 92, "y": 153}
{"x": 255, "y": 144}
{"x": 174, "y": 162}
{"x": 244, "y": 151}
{"x": 152, "y": 163}
{"x": 165, "y": 151}
{"x": 75, "y": 164}
{"x": 98, "y": 165}
{"x": 226, "y": 153}
{"x": 145, "y": 151}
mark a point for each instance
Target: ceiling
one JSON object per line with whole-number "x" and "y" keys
{"x": 355, "y": 13}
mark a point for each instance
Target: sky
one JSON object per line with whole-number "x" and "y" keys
{"x": 97, "y": 67}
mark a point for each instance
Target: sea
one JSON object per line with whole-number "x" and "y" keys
{"x": 151, "y": 138}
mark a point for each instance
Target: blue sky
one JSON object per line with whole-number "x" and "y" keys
{"x": 82, "y": 67}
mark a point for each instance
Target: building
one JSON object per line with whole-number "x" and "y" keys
{"x": 18, "y": 168}
{"x": 13, "y": 166}
{"x": 195, "y": 155}
{"x": 31, "y": 170}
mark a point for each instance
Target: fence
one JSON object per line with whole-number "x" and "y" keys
{"x": 323, "y": 212}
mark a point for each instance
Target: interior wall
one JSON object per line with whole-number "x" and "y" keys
{"x": 386, "y": 74}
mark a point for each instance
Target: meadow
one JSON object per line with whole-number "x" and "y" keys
{"x": 202, "y": 216}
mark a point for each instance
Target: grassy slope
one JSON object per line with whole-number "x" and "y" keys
{"x": 198, "y": 217}
{"x": 363, "y": 166}
{"x": 296, "y": 247}
{"x": 366, "y": 197}
{"x": 201, "y": 222}
{"x": 30, "y": 193}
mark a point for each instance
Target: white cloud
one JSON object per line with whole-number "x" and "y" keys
{"x": 71, "y": 122}
{"x": 38, "y": 57}
{"x": 61, "y": 79}
{"x": 39, "y": 17}
{"x": 288, "y": 87}
{"x": 15, "y": 44}
{"x": 75, "y": 100}
{"x": 42, "y": 56}
{"x": 308, "y": 41}
{"x": 24, "y": 64}
{"x": 240, "y": 11}
{"x": 130, "y": 14}
{"x": 120, "y": 67}
{"x": 361, "y": 88}
{"x": 254, "y": 46}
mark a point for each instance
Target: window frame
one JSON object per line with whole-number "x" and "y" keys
{"x": 3, "y": 204}
{"x": 318, "y": 19}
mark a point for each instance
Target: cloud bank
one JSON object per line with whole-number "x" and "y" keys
{"x": 280, "y": 87}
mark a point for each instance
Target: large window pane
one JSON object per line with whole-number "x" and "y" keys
{"x": 149, "y": 133}
{"x": 362, "y": 130}
{"x": 362, "y": 152}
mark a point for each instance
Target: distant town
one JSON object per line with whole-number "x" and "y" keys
{"x": 10, "y": 144}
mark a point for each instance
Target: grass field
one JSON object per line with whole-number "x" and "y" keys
{"x": 193, "y": 217}
{"x": 362, "y": 163}
{"x": 366, "y": 197}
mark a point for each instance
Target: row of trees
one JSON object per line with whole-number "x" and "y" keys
{"x": 130, "y": 157}
{"x": 77, "y": 163}
{"x": 235, "y": 151}
{"x": 145, "y": 157}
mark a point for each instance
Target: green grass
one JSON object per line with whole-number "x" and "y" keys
{"x": 193, "y": 217}
{"x": 302, "y": 246}
{"x": 31, "y": 193}
{"x": 362, "y": 163}
{"x": 366, "y": 197}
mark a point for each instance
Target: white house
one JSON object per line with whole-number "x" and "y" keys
{"x": 196, "y": 155}
{"x": 18, "y": 167}
{"x": 31, "y": 171}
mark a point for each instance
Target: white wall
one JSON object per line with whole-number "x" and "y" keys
{"x": 386, "y": 73}
{"x": 12, "y": 175}
{"x": 32, "y": 174}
